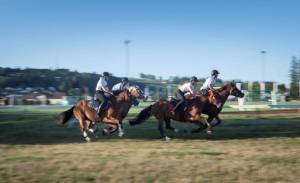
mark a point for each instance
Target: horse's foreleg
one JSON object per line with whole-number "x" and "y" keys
{"x": 204, "y": 121}
{"x": 120, "y": 129}
{"x": 162, "y": 131}
{"x": 218, "y": 121}
{"x": 92, "y": 128}
{"x": 169, "y": 126}
{"x": 114, "y": 125}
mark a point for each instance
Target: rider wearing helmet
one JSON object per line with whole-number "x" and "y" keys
{"x": 210, "y": 82}
{"x": 101, "y": 89}
{"x": 122, "y": 86}
{"x": 187, "y": 88}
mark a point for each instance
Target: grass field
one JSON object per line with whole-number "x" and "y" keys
{"x": 242, "y": 149}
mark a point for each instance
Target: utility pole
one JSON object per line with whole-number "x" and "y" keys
{"x": 262, "y": 83}
{"x": 127, "y": 57}
{"x": 263, "y": 65}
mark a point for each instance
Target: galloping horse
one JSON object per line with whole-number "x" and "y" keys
{"x": 113, "y": 115}
{"x": 190, "y": 112}
{"x": 210, "y": 107}
{"x": 194, "y": 108}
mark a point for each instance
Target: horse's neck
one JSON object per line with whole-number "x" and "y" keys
{"x": 123, "y": 97}
{"x": 224, "y": 95}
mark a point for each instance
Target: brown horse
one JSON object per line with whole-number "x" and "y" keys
{"x": 194, "y": 108}
{"x": 112, "y": 116}
{"x": 212, "y": 111}
{"x": 189, "y": 112}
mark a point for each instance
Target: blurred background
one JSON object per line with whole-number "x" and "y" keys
{"x": 52, "y": 52}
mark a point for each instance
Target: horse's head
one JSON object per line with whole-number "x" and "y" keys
{"x": 234, "y": 91}
{"x": 136, "y": 92}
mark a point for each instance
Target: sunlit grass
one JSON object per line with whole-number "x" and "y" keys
{"x": 242, "y": 149}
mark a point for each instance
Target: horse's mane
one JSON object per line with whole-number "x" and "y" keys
{"x": 224, "y": 87}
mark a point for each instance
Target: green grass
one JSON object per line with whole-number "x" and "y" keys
{"x": 242, "y": 149}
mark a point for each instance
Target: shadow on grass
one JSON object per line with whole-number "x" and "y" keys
{"x": 41, "y": 129}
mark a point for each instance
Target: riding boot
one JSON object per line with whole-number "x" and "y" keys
{"x": 177, "y": 105}
{"x": 102, "y": 106}
{"x": 99, "y": 108}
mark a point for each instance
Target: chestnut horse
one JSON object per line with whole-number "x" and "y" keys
{"x": 194, "y": 108}
{"x": 112, "y": 116}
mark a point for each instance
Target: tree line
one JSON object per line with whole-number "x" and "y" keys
{"x": 295, "y": 78}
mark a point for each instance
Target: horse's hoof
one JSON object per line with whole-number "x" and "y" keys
{"x": 104, "y": 132}
{"x": 121, "y": 134}
{"x": 87, "y": 139}
{"x": 167, "y": 138}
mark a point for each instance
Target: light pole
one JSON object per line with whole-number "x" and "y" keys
{"x": 127, "y": 57}
{"x": 263, "y": 68}
{"x": 263, "y": 64}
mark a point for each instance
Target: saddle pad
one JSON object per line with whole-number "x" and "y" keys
{"x": 93, "y": 104}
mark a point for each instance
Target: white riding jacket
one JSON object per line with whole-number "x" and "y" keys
{"x": 120, "y": 86}
{"x": 187, "y": 88}
{"x": 102, "y": 85}
{"x": 209, "y": 81}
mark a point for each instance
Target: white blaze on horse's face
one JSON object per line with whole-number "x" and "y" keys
{"x": 135, "y": 91}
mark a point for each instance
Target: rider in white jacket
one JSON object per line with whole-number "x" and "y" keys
{"x": 101, "y": 89}
{"x": 184, "y": 89}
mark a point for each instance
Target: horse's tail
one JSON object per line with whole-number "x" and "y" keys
{"x": 142, "y": 116}
{"x": 64, "y": 117}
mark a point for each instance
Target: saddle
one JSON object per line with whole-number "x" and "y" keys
{"x": 93, "y": 104}
{"x": 180, "y": 109}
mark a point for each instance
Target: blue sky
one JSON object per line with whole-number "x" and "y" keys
{"x": 169, "y": 37}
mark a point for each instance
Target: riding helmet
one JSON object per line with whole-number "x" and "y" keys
{"x": 125, "y": 79}
{"x": 194, "y": 78}
{"x": 215, "y": 72}
{"x": 106, "y": 74}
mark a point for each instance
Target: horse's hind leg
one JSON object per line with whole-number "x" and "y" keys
{"x": 83, "y": 126}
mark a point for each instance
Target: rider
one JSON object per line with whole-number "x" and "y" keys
{"x": 184, "y": 89}
{"x": 122, "y": 86}
{"x": 101, "y": 89}
{"x": 210, "y": 82}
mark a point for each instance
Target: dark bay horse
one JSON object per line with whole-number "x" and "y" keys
{"x": 196, "y": 106}
{"x": 212, "y": 111}
{"x": 112, "y": 116}
{"x": 190, "y": 113}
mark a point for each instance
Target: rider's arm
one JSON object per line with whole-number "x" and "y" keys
{"x": 127, "y": 86}
{"x": 191, "y": 89}
{"x": 211, "y": 87}
{"x": 103, "y": 86}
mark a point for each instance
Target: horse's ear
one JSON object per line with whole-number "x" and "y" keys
{"x": 232, "y": 83}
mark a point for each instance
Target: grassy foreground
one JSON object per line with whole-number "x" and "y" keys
{"x": 244, "y": 149}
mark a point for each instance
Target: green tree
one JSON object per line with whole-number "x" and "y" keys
{"x": 294, "y": 78}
